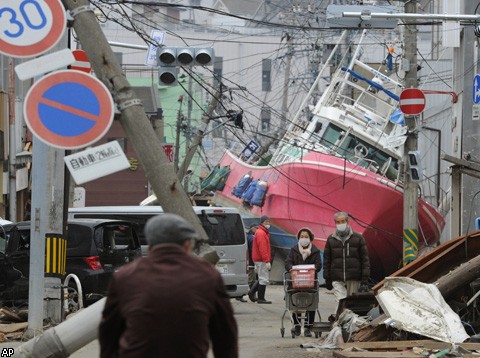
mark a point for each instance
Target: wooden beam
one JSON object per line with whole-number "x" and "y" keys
{"x": 438, "y": 262}
{"x": 426, "y": 343}
{"x": 366, "y": 354}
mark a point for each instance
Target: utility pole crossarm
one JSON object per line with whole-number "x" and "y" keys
{"x": 410, "y": 16}
{"x": 462, "y": 163}
{"x": 206, "y": 117}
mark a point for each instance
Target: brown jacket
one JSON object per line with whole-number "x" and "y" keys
{"x": 168, "y": 304}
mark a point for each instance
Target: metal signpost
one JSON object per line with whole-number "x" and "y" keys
{"x": 69, "y": 109}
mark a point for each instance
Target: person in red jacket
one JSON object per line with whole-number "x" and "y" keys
{"x": 262, "y": 258}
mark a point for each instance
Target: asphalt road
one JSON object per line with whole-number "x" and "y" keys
{"x": 259, "y": 329}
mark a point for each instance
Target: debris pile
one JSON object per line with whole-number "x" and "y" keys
{"x": 426, "y": 309}
{"x": 13, "y": 323}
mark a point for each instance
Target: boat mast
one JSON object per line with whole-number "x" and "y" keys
{"x": 410, "y": 195}
{"x": 286, "y": 80}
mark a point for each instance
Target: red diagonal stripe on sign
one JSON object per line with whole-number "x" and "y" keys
{"x": 69, "y": 109}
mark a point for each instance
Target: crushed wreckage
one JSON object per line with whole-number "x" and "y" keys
{"x": 434, "y": 297}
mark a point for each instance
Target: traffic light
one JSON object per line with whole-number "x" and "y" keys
{"x": 415, "y": 166}
{"x": 167, "y": 75}
{"x": 170, "y": 57}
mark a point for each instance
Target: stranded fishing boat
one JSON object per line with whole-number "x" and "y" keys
{"x": 346, "y": 157}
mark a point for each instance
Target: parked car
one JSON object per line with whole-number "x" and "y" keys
{"x": 95, "y": 249}
{"x": 223, "y": 226}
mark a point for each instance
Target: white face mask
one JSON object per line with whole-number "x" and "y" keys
{"x": 304, "y": 242}
{"x": 342, "y": 227}
{"x": 267, "y": 226}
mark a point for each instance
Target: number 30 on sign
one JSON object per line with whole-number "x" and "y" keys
{"x": 30, "y": 27}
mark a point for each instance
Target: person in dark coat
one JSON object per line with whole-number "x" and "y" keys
{"x": 304, "y": 253}
{"x": 252, "y": 275}
{"x": 169, "y": 304}
{"x": 346, "y": 265}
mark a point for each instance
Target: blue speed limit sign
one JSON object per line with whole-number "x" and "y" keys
{"x": 30, "y": 27}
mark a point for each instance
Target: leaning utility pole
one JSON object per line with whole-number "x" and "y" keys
{"x": 158, "y": 170}
{"x": 410, "y": 189}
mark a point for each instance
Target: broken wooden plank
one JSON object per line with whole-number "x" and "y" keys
{"x": 461, "y": 276}
{"x": 10, "y": 315}
{"x": 440, "y": 261}
{"x": 349, "y": 354}
{"x": 425, "y": 343}
{"x": 13, "y": 327}
{"x": 372, "y": 333}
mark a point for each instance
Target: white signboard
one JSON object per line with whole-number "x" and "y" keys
{"x": 96, "y": 162}
{"x": 475, "y": 112}
{"x": 159, "y": 37}
{"x": 44, "y": 64}
{"x": 395, "y": 141}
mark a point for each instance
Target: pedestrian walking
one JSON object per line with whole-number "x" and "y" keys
{"x": 262, "y": 257}
{"x": 304, "y": 253}
{"x": 169, "y": 303}
{"x": 346, "y": 265}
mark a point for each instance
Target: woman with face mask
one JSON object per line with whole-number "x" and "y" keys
{"x": 346, "y": 265}
{"x": 304, "y": 253}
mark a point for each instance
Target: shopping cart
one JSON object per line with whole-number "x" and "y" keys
{"x": 301, "y": 296}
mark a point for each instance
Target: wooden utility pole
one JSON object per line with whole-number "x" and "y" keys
{"x": 410, "y": 194}
{"x": 159, "y": 172}
{"x": 198, "y": 138}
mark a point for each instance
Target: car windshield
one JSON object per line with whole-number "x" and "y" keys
{"x": 223, "y": 229}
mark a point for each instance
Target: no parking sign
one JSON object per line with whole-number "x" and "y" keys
{"x": 69, "y": 109}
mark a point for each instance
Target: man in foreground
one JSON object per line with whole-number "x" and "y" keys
{"x": 170, "y": 303}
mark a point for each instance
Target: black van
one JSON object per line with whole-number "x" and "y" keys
{"x": 95, "y": 249}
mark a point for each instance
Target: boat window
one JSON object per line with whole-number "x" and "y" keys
{"x": 351, "y": 148}
{"x": 375, "y": 156}
{"x": 332, "y": 135}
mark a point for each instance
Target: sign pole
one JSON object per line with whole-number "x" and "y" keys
{"x": 46, "y": 217}
{"x": 410, "y": 194}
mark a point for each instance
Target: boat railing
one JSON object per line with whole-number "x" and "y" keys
{"x": 363, "y": 162}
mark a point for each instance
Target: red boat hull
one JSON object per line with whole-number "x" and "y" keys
{"x": 308, "y": 193}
